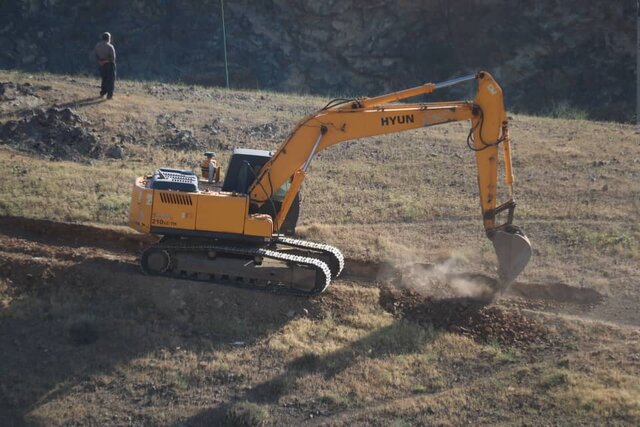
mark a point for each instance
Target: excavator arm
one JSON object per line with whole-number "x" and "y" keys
{"x": 364, "y": 117}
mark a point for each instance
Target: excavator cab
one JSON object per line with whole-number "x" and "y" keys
{"x": 244, "y": 166}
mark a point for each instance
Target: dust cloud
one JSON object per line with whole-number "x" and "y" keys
{"x": 446, "y": 280}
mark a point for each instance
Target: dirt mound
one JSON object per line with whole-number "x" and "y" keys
{"x": 20, "y": 96}
{"x": 272, "y": 130}
{"x": 58, "y": 133}
{"x": 10, "y": 91}
{"x": 181, "y": 139}
{"x": 446, "y": 298}
{"x": 465, "y": 315}
{"x": 174, "y": 136}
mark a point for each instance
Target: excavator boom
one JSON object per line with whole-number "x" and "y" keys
{"x": 365, "y": 117}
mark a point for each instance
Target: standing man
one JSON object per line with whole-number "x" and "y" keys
{"x": 106, "y": 56}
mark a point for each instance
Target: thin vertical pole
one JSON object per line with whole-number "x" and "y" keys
{"x": 224, "y": 42}
{"x": 638, "y": 71}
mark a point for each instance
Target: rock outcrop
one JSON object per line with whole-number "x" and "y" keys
{"x": 549, "y": 55}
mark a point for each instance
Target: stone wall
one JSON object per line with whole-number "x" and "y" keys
{"x": 549, "y": 55}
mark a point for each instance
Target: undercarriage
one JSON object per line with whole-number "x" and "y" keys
{"x": 283, "y": 264}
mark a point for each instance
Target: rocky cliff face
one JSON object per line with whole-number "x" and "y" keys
{"x": 548, "y": 55}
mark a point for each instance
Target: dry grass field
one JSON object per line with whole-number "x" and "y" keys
{"x": 85, "y": 339}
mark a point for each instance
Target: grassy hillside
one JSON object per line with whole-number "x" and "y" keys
{"x": 367, "y": 352}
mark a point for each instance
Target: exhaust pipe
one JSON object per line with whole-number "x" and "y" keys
{"x": 513, "y": 250}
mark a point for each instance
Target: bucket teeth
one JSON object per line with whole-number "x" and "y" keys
{"x": 513, "y": 250}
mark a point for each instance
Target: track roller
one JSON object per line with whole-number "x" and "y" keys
{"x": 155, "y": 261}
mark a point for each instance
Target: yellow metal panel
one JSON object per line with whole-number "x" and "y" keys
{"x": 221, "y": 212}
{"x": 258, "y": 225}
{"x": 347, "y": 124}
{"x": 141, "y": 204}
{"x": 494, "y": 118}
{"x": 174, "y": 209}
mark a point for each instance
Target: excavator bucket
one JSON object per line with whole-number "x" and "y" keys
{"x": 513, "y": 250}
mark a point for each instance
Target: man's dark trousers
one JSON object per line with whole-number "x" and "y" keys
{"x": 108, "y": 74}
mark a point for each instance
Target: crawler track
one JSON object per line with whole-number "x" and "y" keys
{"x": 306, "y": 270}
{"x": 335, "y": 257}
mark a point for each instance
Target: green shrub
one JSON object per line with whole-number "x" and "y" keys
{"x": 246, "y": 414}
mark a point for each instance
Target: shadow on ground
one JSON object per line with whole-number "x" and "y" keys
{"x": 82, "y": 102}
{"x": 399, "y": 338}
{"x": 66, "y": 324}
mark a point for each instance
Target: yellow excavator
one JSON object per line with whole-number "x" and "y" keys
{"x": 239, "y": 231}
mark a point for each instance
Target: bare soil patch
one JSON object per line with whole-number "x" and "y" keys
{"x": 10, "y": 91}
{"x": 467, "y": 316}
{"x": 20, "y": 96}
{"x": 55, "y": 133}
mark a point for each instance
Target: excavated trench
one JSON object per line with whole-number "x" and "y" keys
{"x": 438, "y": 281}
{"x": 424, "y": 278}
{"x": 558, "y": 292}
{"x": 437, "y": 295}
